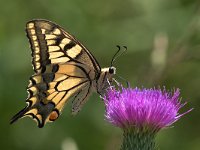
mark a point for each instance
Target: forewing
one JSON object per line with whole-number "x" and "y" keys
{"x": 50, "y": 44}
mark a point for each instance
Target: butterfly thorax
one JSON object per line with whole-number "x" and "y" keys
{"x": 104, "y": 79}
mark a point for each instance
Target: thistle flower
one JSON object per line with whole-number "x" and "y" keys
{"x": 141, "y": 113}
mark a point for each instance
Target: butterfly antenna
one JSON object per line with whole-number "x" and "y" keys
{"x": 116, "y": 54}
{"x": 113, "y": 58}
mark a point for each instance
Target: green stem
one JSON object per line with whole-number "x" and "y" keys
{"x": 134, "y": 140}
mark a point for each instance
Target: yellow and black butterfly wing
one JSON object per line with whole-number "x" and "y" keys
{"x": 50, "y": 44}
{"x": 63, "y": 68}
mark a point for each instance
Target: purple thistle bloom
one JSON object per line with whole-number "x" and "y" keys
{"x": 146, "y": 109}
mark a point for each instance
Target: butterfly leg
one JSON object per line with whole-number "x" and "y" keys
{"x": 118, "y": 84}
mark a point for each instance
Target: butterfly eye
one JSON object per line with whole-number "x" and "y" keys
{"x": 112, "y": 70}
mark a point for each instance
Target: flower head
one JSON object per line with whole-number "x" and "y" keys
{"x": 142, "y": 108}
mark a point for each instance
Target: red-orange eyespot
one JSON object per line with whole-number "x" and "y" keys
{"x": 53, "y": 116}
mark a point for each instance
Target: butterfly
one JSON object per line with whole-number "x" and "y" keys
{"x": 63, "y": 68}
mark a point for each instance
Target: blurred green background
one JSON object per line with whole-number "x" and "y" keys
{"x": 163, "y": 40}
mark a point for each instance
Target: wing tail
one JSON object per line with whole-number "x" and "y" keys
{"x": 39, "y": 112}
{"x": 19, "y": 115}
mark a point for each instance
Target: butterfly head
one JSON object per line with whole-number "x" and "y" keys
{"x": 109, "y": 73}
{"x": 112, "y": 70}
{"x": 105, "y": 78}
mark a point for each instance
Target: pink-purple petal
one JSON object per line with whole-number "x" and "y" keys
{"x": 127, "y": 108}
